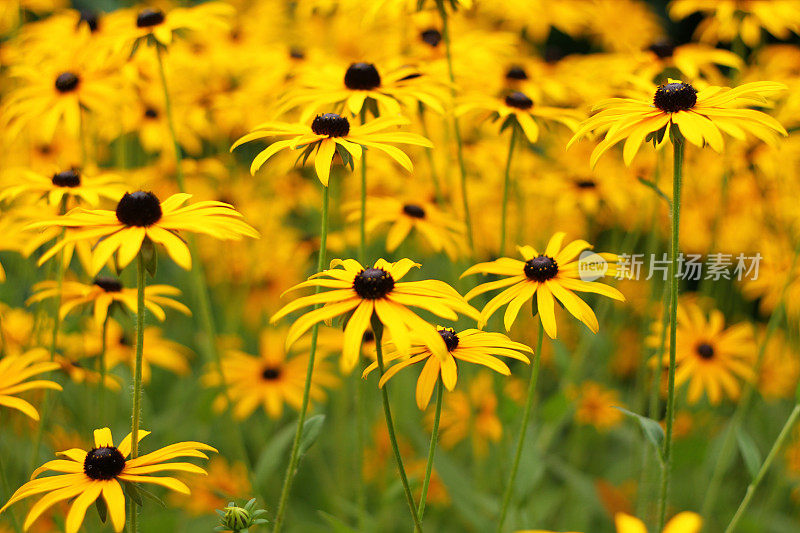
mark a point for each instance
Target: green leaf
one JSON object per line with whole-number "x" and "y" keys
{"x": 652, "y": 429}
{"x": 272, "y": 456}
{"x": 335, "y": 524}
{"x": 150, "y": 256}
{"x": 152, "y": 497}
{"x": 749, "y": 451}
{"x": 102, "y": 509}
{"x": 311, "y": 430}
{"x": 132, "y": 492}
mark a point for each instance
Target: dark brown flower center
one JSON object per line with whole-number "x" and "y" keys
{"x": 103, "y": 463}
{"x": 67, "y": 178}
{"x": 586, "y": 184}
{"x": 674, "y": 97}
{"x": 414, "y": 211}
{"x": 516, "y": 73}
{"x": 297, "y": 53}
{"x": 139, "y": 208}
{"x": 149, "y": 17}
{"x": 541, "y": 268}
{"x": 108, "y": 284}
{"x": 373, "y": 283}
{"x": 705, "y": 350}
{"x": 362, "y": 77}
{"x": 662, "y": 49}
{"x": 431, "y": 37}
{"x": 67, "y": 82}
{"x": 91, "y": 18}
{"x": 330, "y": 124}
{"x": 450, "y": 338}
{"x": 519, "y": 100}
{"x": 271, "y": 373}
{"x": 150, "y": 113}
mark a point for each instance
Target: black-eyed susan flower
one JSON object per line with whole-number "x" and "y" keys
{"x": 330, "y": 134}
{"x": 271, "y": 379}
{"x": 105, "y": 291}
{"x": 442, "y": 232}
{"x": 140, "y": 215}
{"x": 16, "y": 369}
{"x": 710, "y": 357}
{"x": 700, "y": 116}
{"x": 62, "y": 185}
{"x": 544, "y": 277}
{"x": 85, "y": 476}
{"x": 684, "y": 522}
{"x": 469, "y": 346}
{"x": 362, "y": 292}
{"x": 517, "y": 109}
{"x": 161, "y": 352}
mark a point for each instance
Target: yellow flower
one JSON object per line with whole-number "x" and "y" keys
{"x": 140, "y": 215}
{"x": 330, "y": 134}
{"x": 362, "y": 292}
{"x": 701, "y": 116}
{"x": 553, "y": 274}
{"x": 62, "y": 185}
{"x": 595, "y": 405}
{"x": 15, "y": 369}
{"x": 88, "y": 475}
{"x": 160, "y": 352}
{"x": 105, "y": 291}
{"x": 685, "y": 522}
{"x": 225, "y": 482}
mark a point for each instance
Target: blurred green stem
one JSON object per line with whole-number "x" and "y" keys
{"x": 294, "y": 455}
{"x": 377, "y": 329}
{"x": 137, "y": 375}
{"x": 776, "y": 447}
{"x": 6, "y": 494}
{"x": 506, "y": 183}
{"x": 526, "y": 415}
{"x": 429, "y": 154}
{"x": 677, "y": 176}
{"x": 432, "y": 449}
{"x": 101, "y": 392}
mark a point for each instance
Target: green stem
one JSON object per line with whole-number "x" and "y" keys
{"x": 170, "y": 119}
{"x": 7, "y": 494}
{"x": 677, "y": 176}
{"x": 729, "y": 440}
{"x": 361, "y": 424}
{"x": 101, "y": 393}
{"x": 751, "y": 489}
{"x": 506, "y": 183}
{"x": 432, "y": 449}
{"x": 526, "y": 415}
{"x": 294, "y": 455}
{"x": 377, "y": 329}
{"x": 456, "y": 129}
{"x": 362, "y": 224}
{"x": 137, "y": 375}
{"x": 429, "y": 154}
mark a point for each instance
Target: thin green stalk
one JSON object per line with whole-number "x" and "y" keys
{"x": 677, "y": 176}
{"x": 526, "y": 415}
{"x": 294, "y": 455}
{"x": 170, "y": 119}
{"x": 729, "y": 440}
{"x": 362, "y": 224}
{"x": 361, "y": 424}
{"x": 136, "y": 412}
{"x": 456, "y": 129}
{"x": 101, "y": 393}
{"x": 751, "y": 489}
{"x": 7, "y": 494}
{"x": 432, "y": 449}
{"x": 506, "y": 182}
{"x": 429, "y": 154}
{"x": 377, "y": 329}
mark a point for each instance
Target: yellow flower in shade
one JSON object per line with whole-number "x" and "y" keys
{"x": 780, "y": 368}
{"x": 330, "y": 134}
{"x": 685, "y": 522}
{"x": 160, "y": 352}
{"x": 86, "y": 476}
{"x": 701, "y": 116}
{"x": 710, "y": 357}
{"x": 159, "y": 27}
{"x": 271, "y": 379}
{"x": 545, "y": 277}
{"x": 362, "y": 292}
{"x": 16, "y": 369}
{"x": 105, "y": 291}
{"x": 440, "y": 230}
{"x": 517, "y": 109}
{"x": 62, "y": 185}
{"x": 140, "y": 215}
{"x": 470, "y": 346}
{"x": 595, "y": 405}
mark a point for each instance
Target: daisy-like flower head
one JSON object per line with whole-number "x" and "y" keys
{"x": 709, "y": 356}
{"x": 359, "y": 293}
{"x": 518, "y": 110}
{"x": 141, "y": 215}
{"x": 471, "y": 346}
{"x": 158, "y": 27}
{"x": 271, "y": 379}
{"x": 105, "y": 291}
{"x": 544, "y": 277}
{"x": 440, "y": 230}
{"x": 330, "y": 134}
{"x": 699, "y": 116}
{"x": 16, "y": 369}
{"x": 62, "y": 185}
{"x": 85, "y": 476}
